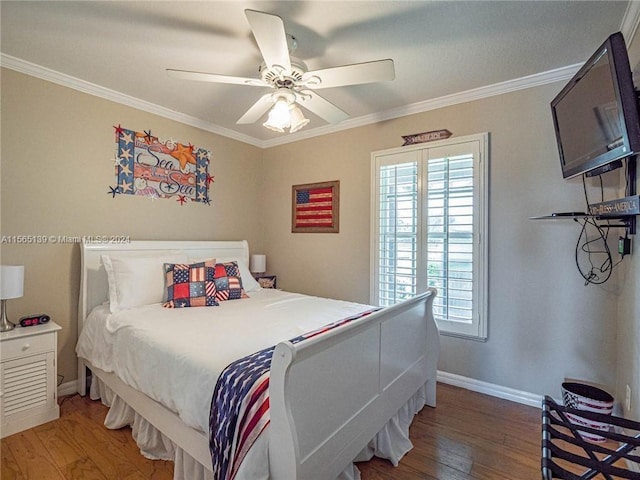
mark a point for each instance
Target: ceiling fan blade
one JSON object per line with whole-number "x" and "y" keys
{"x": 321, "y": 107}
{"x": 215, "y": 78}
{"x": 368, "y": 72}
{"x": 257, "y": 109}
{"x": 269, "y": 33}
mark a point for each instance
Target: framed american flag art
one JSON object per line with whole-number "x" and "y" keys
{"x": 315, "y": 207}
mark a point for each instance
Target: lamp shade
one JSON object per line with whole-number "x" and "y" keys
{"x": 11, "y": 281}
{"x": 297, "y": 119}
{"x": 258, "y": 263}
{"x": 279, "y": 117}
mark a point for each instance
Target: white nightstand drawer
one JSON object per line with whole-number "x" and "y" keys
{"x": 28, "y": 345}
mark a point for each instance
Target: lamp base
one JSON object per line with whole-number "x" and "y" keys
{"x": 5, "y": 324}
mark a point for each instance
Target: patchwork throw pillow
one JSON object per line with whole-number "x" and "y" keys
{"x": 249, "y": 283}
{"x": 191, "y": 285}
{"x": 228, "y": 282}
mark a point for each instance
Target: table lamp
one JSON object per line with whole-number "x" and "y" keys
{"x": 11, "y": 286}
{"x": 258, "y": 263}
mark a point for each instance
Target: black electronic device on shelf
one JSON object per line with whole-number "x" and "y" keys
{"x": 596, "y": 115}
{"x": 596, "y": 118}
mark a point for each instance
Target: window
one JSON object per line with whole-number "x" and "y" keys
{"x": 429, "y": 229}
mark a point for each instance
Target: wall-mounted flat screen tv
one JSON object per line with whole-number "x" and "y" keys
{"x": 596, "y": 114}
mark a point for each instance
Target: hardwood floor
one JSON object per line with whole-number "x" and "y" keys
{"x": 468, "y": 436}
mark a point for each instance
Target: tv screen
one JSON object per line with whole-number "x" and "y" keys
{"x": 596, "y": 114}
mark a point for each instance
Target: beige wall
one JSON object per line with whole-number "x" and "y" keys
{"x": 57, "y": 151}
{"x": 544, "y": 324}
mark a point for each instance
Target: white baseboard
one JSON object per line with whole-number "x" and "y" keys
{"x": 67, "y": 388}
{"x": 519, "y": 396}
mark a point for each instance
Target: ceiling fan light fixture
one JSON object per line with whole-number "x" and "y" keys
{"x": 273, "y": 127}
{"x": 292, "y": 80}
{"x": 279, "y": 117}
{"x": 298, "y": 120}
{"x": 280, "y": 112}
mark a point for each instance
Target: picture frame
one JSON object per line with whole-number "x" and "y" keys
{"x": 315, "y": 207}
{"x": 267, "y": 281}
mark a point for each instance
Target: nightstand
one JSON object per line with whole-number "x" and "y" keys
{"x": 28, "y": 387}
{"x": 267, "y": 281}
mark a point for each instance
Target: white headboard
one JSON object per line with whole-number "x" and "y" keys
{"x": 94, "y": 288}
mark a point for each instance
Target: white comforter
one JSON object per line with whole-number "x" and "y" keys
{"x": 176, "y": 355}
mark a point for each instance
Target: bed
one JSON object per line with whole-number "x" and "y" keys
{"x": 338, "y": 397}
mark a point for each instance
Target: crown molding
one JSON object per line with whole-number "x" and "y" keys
{"x": 630, "y": 21}
{"x": 65, "y": 80}
{"x": 551, "y": 76}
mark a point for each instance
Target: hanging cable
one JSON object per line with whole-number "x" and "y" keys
{"x": 596, "y": 274}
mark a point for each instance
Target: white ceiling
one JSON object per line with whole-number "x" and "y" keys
{"x": 439, "y": 48}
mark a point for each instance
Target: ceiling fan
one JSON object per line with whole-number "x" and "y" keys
{"x": 289, "y": 78}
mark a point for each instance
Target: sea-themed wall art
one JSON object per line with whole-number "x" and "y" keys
{"x": 146, "y": 166}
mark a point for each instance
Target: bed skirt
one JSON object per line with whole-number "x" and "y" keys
{"x": 391, "y": 442}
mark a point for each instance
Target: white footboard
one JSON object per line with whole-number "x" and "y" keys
{"x": 368, "y": 368}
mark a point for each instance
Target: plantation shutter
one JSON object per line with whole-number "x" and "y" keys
{"x": 429, "y": 220}
{"x": 398, "y": 226}
{"x": 450, "y": 232}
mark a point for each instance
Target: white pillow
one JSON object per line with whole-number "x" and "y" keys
{"x": 135, "y": 281}
{"x": 249, "y": 284}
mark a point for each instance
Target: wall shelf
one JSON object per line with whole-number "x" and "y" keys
{"x": 625, "y": 219}
{"x": 624, "y": 209}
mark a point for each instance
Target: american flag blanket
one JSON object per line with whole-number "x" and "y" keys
{"x": 240, "y": 405}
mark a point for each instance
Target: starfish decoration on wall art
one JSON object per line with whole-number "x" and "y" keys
{"x": 184, "y": 155}
{"x": 119, "y": 130}
{"x": 113, "y": 191}
{"x": 148, "y": 137}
